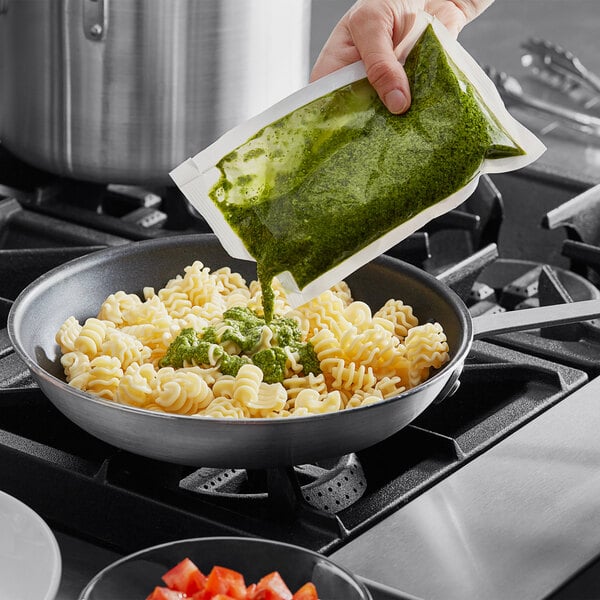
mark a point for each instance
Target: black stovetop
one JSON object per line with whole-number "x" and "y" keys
{"x": 66, "y": 475}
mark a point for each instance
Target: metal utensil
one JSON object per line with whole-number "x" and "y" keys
{"x": 543, "y": 56}
{"x": 512, "y": 92}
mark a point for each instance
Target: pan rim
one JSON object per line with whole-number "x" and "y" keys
{"x": 80, "y": 263}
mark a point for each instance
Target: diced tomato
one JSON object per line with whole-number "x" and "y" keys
{"x": 272, "y": 587}
{"x": 307, "y": 592}
{"x": 163, "y": 593}
{"x": 185, "y": 581}
{"x": 226, "y": 581}
{"x": 205, "y": 595}
{"x": 185, "y": 577}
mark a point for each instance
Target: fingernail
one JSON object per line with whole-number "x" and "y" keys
{"x": 396, "y": 101}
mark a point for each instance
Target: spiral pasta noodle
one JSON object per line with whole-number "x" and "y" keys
{"x": 77, "y": 368}
{"x": 104, "y": 376}
{"x": 67, "y": 334}
{"x": 199, "y": 346}
{"x": 92, "y": 336}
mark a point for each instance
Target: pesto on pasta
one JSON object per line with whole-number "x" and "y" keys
{"x": 201, "y": 346}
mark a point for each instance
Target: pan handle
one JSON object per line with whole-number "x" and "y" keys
{"x": 531, "y": 318}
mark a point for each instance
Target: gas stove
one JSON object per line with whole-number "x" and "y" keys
{"x": 519, "y": 241}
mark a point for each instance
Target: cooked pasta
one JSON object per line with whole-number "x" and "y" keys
{"x": 92, "y": 336}
{"x": 426, "y": 348}
{"x": 399, "y": 314}
{"x": 67, "y": 334}
{"x": 270, "y": 400}
{"x": 77, "y": 368}
{"x": 200, "y": 346}
{"x": 311, "y": 402}
{"x": 247, "y": 382}
{"x": 127, "y": 348}
{"x": 105, "y": 375}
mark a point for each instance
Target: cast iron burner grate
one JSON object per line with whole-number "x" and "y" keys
{"x": 509, "y": 284}
{"x": 330, "y": 486}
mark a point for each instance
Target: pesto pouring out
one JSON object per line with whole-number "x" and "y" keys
{"x": 243, "y": 329}
{"x": 318, "y": 185}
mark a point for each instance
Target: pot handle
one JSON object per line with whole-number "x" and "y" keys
{"x": 95, "y": 19}
{"x": 530, "y": 318}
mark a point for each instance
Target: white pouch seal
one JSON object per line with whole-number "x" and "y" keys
{"x": 197, "y": 176}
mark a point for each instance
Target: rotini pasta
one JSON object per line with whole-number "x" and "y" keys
{"x": 200, "y": 346}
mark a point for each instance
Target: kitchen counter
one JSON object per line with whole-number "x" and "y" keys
{"x": 80, "y": 562}
{"x": 517, "y": 522}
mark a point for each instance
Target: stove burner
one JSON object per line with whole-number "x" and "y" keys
{"x": 330, "y": 486}
{"x": 519, "y": 284}
{"x": 516, "y": 284}
{"x": 579, "y": 216}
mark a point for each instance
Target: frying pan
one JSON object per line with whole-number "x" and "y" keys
{"x": 80, "y": 286}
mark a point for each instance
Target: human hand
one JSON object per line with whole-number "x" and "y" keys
{"x": 370, "y": 31}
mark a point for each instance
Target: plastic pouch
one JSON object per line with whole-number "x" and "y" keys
{"x": 328, "y": 179}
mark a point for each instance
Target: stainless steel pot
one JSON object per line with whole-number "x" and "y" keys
{"x": 80, "y": 286}
{"x": 121, "y": 91}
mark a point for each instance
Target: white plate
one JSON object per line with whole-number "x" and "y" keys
{"x": 30, "y": 562}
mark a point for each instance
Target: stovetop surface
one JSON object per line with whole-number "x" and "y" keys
{"x": 516, "y": 523}
{"x": 93, "y": 492}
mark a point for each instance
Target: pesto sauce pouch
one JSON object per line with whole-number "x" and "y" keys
{"x": 328, "y": 179}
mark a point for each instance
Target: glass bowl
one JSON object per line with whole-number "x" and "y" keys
{"x": 135, "y": 576}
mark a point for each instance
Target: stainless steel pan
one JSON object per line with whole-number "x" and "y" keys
{"x": 79, "y": 287}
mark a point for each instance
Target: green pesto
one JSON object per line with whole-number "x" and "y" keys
{"x": 286, "y": 332}
{"x": 209, "y": 335}
{"x": 271, "y": 361}
{"x": 313, "y": 188}
{"x": 307, "y": 357}
{"x": 230, "y": 364}
{"x": 246, "y": 317}
{"x": 243, "y": 327}
{"x": 268, "y": 295}
{"x": 189, "y": 348}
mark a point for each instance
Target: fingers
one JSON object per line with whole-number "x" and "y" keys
{"x": 455, "y": 14}
{"x": 373, "y": 28}
{"x": 453, "y": 18}
{"x": 370, "y": 31}
{"x": 471, "y": 8}
{"x": 337, "y": 52}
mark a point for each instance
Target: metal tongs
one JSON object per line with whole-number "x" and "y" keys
{"x": 561, "y": 70}
{"x": 558, "y": 67}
